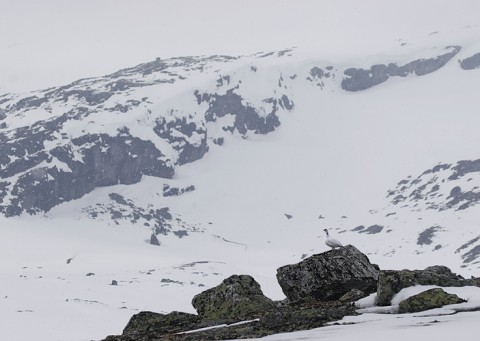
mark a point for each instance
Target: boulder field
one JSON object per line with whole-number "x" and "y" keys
{"x": 319, "y": 289}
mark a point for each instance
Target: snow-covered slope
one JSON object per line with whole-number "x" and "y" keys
{"x": 236, "y": 164}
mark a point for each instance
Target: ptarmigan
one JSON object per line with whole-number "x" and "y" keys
{"x": 332, "y": 242}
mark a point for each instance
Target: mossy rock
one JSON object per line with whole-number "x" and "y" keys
{"x": 146, "y": 322}
{"x": 329, "y": 275}
{"x": 352, "y": 296}
{"x": 391, "y": 282}
{"x": 237, "y": 297}
{"x": 430, "y": 299}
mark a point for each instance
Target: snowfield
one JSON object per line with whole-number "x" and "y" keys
{"x": 259, "y": 201}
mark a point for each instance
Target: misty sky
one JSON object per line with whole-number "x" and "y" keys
{"x": 53, "y": 42}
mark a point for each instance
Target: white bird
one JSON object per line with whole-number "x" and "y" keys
{"x": 332, "y": 242}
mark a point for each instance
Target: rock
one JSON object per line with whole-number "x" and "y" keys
{"x": 328, "y": 276}
{"x": 237, "y": 297}
{"x": 471, "y": 63}
{"x": 430, "y": 299}
{"x": 352, "y": 296}
{"x": 106, "y": 161}
{"x": 114, "y": 282}
{"x": 247, "y": 117}
{"x": 147, "y": 322}
{"x": 154, "y": 240}
{"x": 360, "y": 79}
{"x": 391, "y": 282}
{"x": 304, "y": 316}
{"x": 426, "y": 237}
{"x": 357, "y": 79}
{"x": 148, "y": 326}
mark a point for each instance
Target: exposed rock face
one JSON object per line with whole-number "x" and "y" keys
{"x": 373, "y": 229}
{"x": 427, "y": 188}
{"x": 429, "y": 299}
{"x": 237, "y": 297}
{"x": 188, "y": 138}
{"x": 391, "y": 282}
{"x": 425, "y": 237}
{"x": 471, "y": 63}
{"x": 328, "y": 276}
{"x": 147, "y": 326}
{"x": 301, "y": 317}
{"x": 360, "y": 79}
{"x": 154, "y": 240}
{"x": 104, "y": 161}
{"x": 246, "y": 116}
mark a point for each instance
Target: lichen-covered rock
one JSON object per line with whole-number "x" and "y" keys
{"x": 304, "y": 316}
{"x": 147, "y": 325}
{"x": 352, "y": 295}
{"x": 237, "y": 297}
{"x": 328, "y": 276}
{"x": 429, "y": 299}
{"x": 391, "y": 282}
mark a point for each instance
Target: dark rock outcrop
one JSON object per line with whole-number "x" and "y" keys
{"x": 360, "y": 79}
{"x": 426, "y": 237}
{"x": 471, "y": 63}
{"x": 236, "y": 298}
{"x": 391, "y": 282}
{"x": 328, "y": 276}
{"x": 179, "y": 133}
{"x": 426, "y": 189}
{"x": 247, "y": 117}
{"x": 429, "y": 299}
{"x": 154, "y": 240}
{"x": 147, "y": 326}
{"x": 105, "y": 161}
{"x": 373, "y": 229}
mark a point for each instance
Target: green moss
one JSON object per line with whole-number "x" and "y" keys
{"x": 430, "y": 299}
{"x": 237, "y": 297}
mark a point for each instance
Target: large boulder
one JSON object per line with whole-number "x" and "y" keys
{"x": 429, "y": 299}
{"x": 328, "y": 276}
{"x": 237, "y": 297}
{"x": 391, "y": 282}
